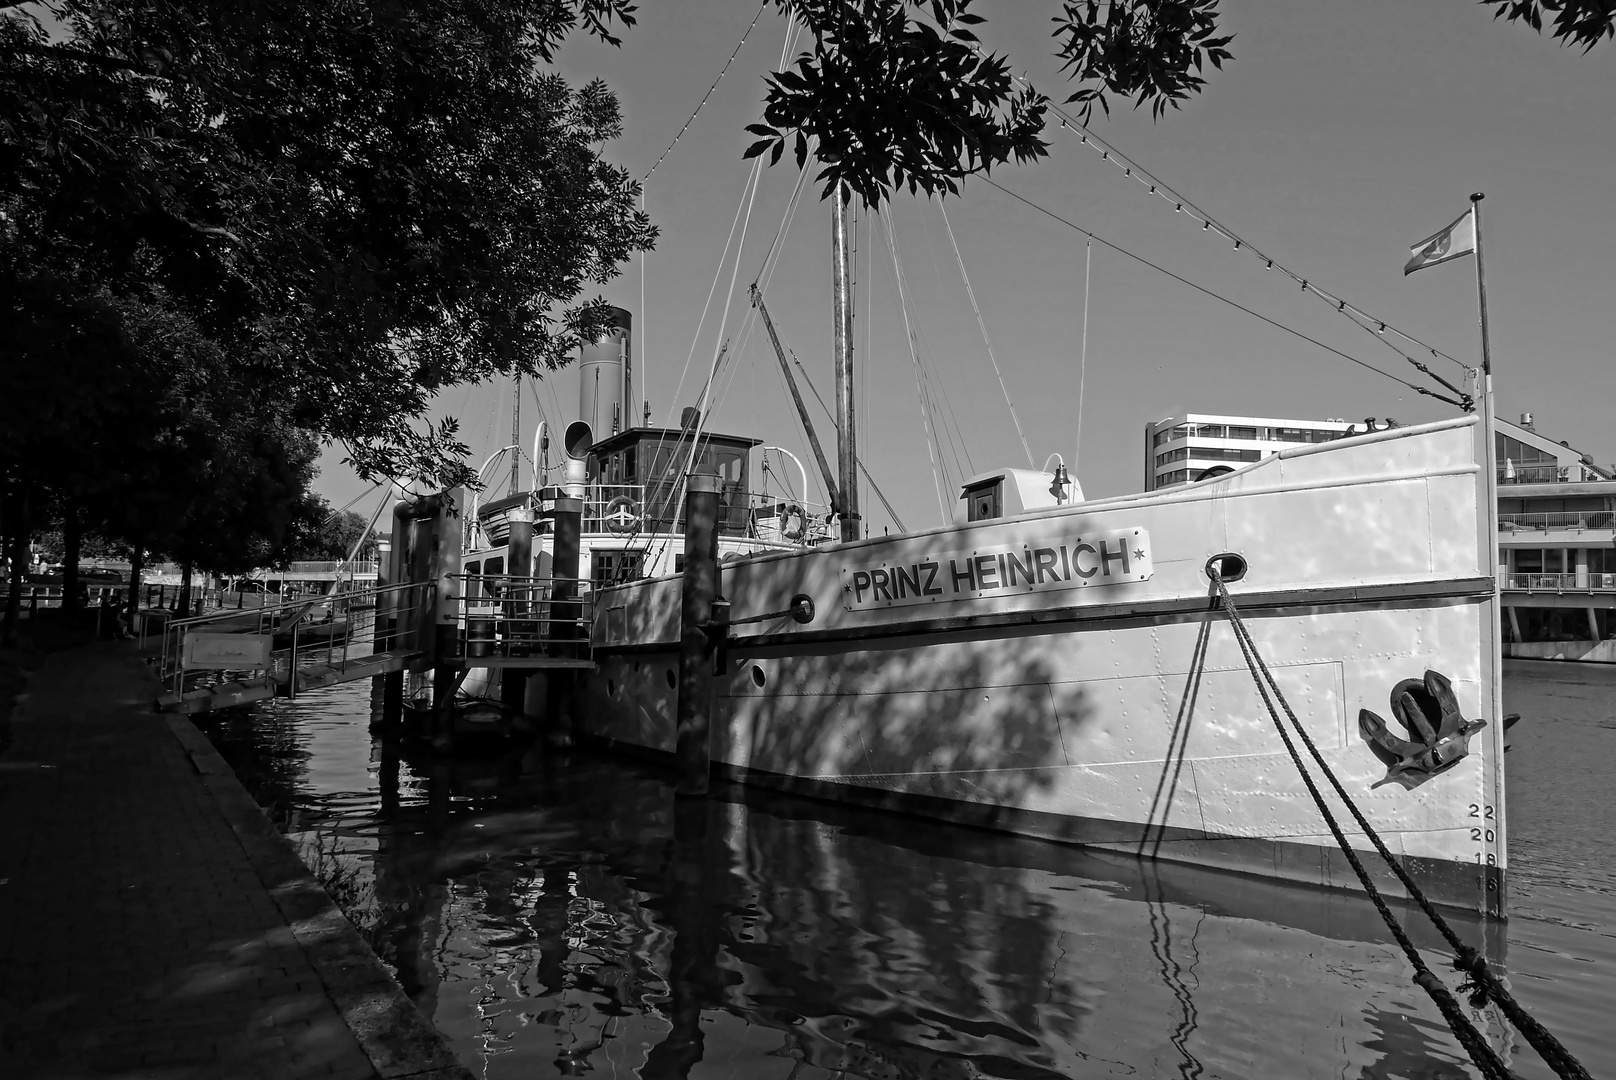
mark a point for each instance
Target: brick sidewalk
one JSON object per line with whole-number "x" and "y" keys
{"x": 152, "y": 921}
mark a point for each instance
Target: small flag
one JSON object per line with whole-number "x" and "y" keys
{"x": 1456, "y": 240}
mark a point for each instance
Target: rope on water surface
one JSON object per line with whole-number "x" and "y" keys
{"x": 1482, "y": 983}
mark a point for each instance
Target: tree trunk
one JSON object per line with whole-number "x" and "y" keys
{"x": 184, "y": 610}
{"x": 16, "y": 547}
{"x": 72, "y": 544}
{"x": 134, "y": 587}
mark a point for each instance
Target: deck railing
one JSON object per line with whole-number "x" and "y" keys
{"x": 503, "y": 615}
{"x": 623, "y": 508}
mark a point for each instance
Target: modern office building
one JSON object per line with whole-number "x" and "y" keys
{"x": 1556, "y": 519}
{"x": 1182, "y": 449}
{"x": 1556, "y": 548}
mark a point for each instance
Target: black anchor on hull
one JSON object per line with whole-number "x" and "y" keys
{"x": 1430, "y": 713}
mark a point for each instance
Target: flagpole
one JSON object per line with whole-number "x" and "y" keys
{"x": 1481, "y": 293}
{"x": 1485, "y": 388}
{"x": 1492, "y": 634}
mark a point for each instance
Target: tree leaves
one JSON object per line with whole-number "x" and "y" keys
{"x": 364, "y": 202}
{"x": 1150, "y": 50}
{"x": 1576, "y": 22}
{"x": 890, "y": 101}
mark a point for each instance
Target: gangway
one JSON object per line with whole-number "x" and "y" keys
{"x": 230, "y": 658}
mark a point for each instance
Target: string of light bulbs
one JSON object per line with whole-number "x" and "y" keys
{"x": 1372, "y": 324}
{"x": 1463, "y": 404}
{"x": 1154, "y": 185}
{"x": 709, "y": 93}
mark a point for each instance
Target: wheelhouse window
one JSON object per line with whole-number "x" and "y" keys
{"x": 608, "y": 567}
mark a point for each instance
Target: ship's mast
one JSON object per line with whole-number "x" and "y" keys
{"x": 516, "y": 430}
{"x": 846, "y": 432}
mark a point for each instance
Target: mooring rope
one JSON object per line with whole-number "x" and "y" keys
{"x": 1483, "y": 984}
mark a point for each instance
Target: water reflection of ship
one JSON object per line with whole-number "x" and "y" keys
{"x": 584, "y": 918}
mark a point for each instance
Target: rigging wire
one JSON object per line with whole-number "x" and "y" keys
{"x": 914, "y": 355}
{"x": 929, "y": 384}
{"x": 767, "y": 266}
{"x": 983, "y": 326}
{"x": 869, "y": 329}
{"x": 712, "y": 289}
{"x": 721, "y": 72}
{"x": 1216, "y": 296}
{"x": 937, "y": 375}
{"x": 1083, "y": 356}
{"x": 748, "y": 198}
{"x": 1359, "y": 317}
{"x": 863, "y": 469}
{"x": 333, "y": 513}
{"x": 645, "y": 386}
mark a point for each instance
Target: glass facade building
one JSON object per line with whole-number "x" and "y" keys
{"x": 1556, "y": 548}
{"x": 1183, "y": 449}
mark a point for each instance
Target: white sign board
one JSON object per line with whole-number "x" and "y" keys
{"x": 1063, "y": 563}
{"x": 226, "y": 651}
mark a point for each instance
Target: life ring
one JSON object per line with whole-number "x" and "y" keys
{"x": 793, "y": 521}
{"x": 622, "y": 515}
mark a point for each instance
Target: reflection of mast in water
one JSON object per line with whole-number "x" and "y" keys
{"x": 1173, "y": 973}
{"x": 832, "y": 944}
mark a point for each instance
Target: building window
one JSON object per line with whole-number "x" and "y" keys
{"x": 1177, "y": 476}
{"x": 1223, "y": 453}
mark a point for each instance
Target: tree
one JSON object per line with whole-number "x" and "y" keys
{"x": 329, "y": 535}
{"x": 121, "y": 418}
{"x": 366, "y": 202}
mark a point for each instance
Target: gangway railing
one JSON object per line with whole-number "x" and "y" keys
{"x": 265, "y": 646}
{"x": 509, "y": 617}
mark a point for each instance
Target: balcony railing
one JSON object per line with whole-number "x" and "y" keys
{"x": 1588, "y": 519}
{"x": 1546, "y": 474}
{"x": 1560, "y": 582}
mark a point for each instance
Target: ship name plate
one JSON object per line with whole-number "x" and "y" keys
{"x": 1049, "y": 565}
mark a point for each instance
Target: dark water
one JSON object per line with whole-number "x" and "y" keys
{"x": 566, "y": 918}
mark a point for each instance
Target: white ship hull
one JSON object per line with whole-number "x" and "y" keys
{"x": 1101, "y": 698}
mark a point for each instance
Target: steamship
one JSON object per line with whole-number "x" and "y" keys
{"x": 1056, "y": 666}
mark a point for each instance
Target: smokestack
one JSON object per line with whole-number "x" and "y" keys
{"x": 605, "y": 369}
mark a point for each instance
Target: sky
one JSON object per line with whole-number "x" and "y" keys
{"x": 1340, "y": 135}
